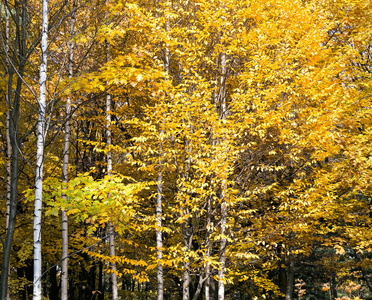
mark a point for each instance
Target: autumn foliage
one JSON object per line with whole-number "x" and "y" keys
{"x": 249, "y": 120}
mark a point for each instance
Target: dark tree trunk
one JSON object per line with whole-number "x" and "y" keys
{"x": 334, "y": 285}
{"x": 290, "y": 279}
{"x": 92, "y": 278}
{"x": 83, "y": 280}
{"x": 14, "y": 98}
{"x": 282, "y": 279}
{"x": 286, "y": 278}
{"x": 54, "y": 288}
{"x": 71, "y": 288}
{"x": 22, "y": 294}
{"x": 101, "y": 282}
{"x": 13, "y": 104}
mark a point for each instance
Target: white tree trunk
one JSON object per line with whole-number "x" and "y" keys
{"x": 208, "y": 252}
{"x": 114, "y": 278}
{"x": 187, "y": 239}
{"x": 8, "y": 171}
{"x": 159, "y": 238}
{"x": 40, "y": 155}
{"x": 113, "y": 265}
{"x": 8, "y": 143}
{"x": 66, "y": 147}
{"x": 223, "y": 241}
{"x": 186, "y": 281}
{"x": 8, "y": 178}
{"x": 159, "y": 204}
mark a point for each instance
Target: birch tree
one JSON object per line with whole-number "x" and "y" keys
{"x": 159, "y": 194}
{"x": 223, "y": 241}
{"x": 239, "y": 120}
{"x": 37, "y": 292}
{"x": 159, "y": 239}
{"x": 66, "y": 146}
{"x": 111, "y": 228}
{"x": 109, "y": 173}
{"x": 8, "y": 142}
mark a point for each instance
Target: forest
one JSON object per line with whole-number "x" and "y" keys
{"x": 186, "y": 149}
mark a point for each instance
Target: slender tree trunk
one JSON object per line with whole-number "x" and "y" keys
{"x": 209, "y": 286}
{"x": 199, "y": 287}
{"x": 290, "y": 278}
{"x": 282, "y": 277}
{"x": 159, "y": 238}
{"x": 53, "y": 290}
{"x": 66, "y": 147}
{"x": 186, "y": 281}
{"x": 8, "y": 183}
{"x": 334, "y": 286}
{"x": 40, "y": 156}
{"x": 8, "y": 143}
{"x": 92, "y": 278}
{"x": 208, "y": 252}
{"x": 111, "y": 226}
{"x": 159, "y": 204}
{"x": 186, "y": 264}
{"x": 13, "y": 121}
{"x": 207, "y": 293}
{"x": 114, "y": 278}
{"x": 159, "y": 233}
{"x": 223, "y": 241}
{"x": 109, "y": 173}
{"x": 64, "y": 258}
{"x": 101, "y": 283}
{"x": 187, "y": 230}
{"x": 8, "y": 170}
{"x": 13, "y": 104}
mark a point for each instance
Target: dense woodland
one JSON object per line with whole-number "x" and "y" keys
{"x": 186, "y": 149}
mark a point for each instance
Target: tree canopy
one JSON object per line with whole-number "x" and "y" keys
{"x": 192, "y": 149}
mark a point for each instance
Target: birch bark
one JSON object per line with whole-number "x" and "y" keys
{"x": 40, "y": 155}
{"x": 66, "y": 147}
{"x": 159, "y": 203}
{"x": 159, "y": 238}
{"x": 114, "y": 278}
{"x": 8, "y": 142}
{"x": 187, "y": 229}
{"x": 8, "y": 169}
{"x": 223, "y": 241}
{"x": 187, "y": 236}
{"x": 208, "y": 252}
{"x": 8, "y": 145}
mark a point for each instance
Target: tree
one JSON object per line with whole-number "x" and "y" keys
{"x": 40, "y": 153}
{"x": 227, "y": 143}
{"x": 15, "y": 67}
{"x": 66, "y": 146}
